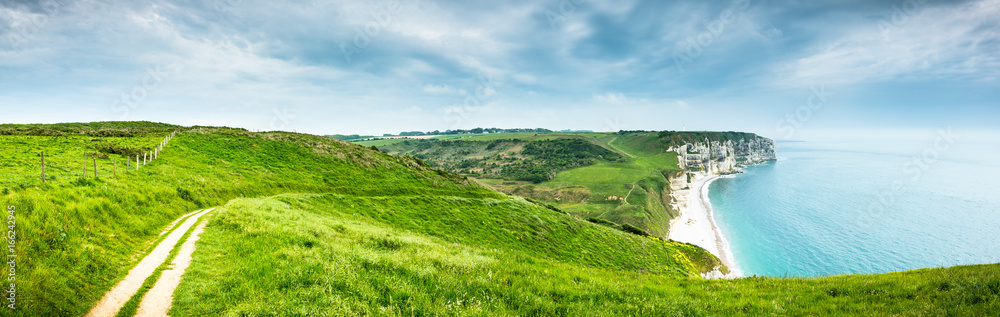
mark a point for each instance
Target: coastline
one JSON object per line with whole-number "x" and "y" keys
{"x": 696, "y": 224}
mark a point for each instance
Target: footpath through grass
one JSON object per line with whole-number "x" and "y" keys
{"x": 336, "y": 255}
{"x": 76, "y": 239}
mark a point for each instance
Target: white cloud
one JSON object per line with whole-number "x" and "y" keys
{"x": 442, "y": 90}
{"x": 612, "y": 98}
{"x": 683, "y": 105}
{"x": 434, "y": 54}
{"x": 939, "y": 41}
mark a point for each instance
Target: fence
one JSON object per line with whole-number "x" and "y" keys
{"x": 22, "y": 169}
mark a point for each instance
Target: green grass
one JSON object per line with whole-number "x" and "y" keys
{"x": 648, "y": 204}
{"x": 20, "y": 160}
{"x": 605, "y": 178}
{"x": 336, "y": 255}
{"x": 132, "y": 305}
{"x": 76, "y": 239}
{"x": 343, "y": 255}
{"x": 516, "y": 136}
{"x": 588, "y": 191}
{"x": 380, "y": 143}
{"x": 476, "y": 137}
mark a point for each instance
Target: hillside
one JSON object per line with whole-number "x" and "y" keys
{"x": 82, "y": 234}
{"x": 309, "y": 225}
{"x": 77, "y": 236}
{"x": 335, "y": 255}
{"x": 626, "y": 177}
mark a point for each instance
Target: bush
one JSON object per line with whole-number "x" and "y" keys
{"x": 633, "y": 230}
{"x": 604, "y": 222}
{"x": 111, "y": 148}
{"x": 186, "y": 195}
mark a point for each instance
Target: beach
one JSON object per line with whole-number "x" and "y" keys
{"x": 696, "y": 224}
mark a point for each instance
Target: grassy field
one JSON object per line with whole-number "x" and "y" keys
{"x": 77, "y": 238}
{"x": 634, "y": 191}
{"x": 65, "y": 146}
{"x": 380, "y": 143}
{"x": 483, "y": 137}
{"x": 335, "y": 255}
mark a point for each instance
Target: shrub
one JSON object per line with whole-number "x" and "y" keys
{"x": 186, "y": 195}
{"x": 603, "y": 222}
{"x": 633, "y": 230}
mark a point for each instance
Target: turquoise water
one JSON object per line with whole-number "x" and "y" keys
{"x": 837, "y": 208}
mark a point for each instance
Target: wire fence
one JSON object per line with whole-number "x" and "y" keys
{"x": 23, "y": 169}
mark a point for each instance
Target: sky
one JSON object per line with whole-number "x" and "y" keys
{"x": 789, "y": 70}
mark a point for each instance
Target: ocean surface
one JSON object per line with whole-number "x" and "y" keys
{"x": 829, "y": 208}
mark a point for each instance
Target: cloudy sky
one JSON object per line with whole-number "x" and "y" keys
{"x": 784, "y": 69}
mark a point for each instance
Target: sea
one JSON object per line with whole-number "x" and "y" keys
{"x": 859, "y": 207}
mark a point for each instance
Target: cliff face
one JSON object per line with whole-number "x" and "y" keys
{"x": 721, "y": 157}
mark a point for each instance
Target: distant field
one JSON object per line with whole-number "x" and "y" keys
{"x": 597, "y": 190}
{"x": 638, "y": 183}
{"x": 490, "y": 137}
{"x": 380, "y": 143}
{"x": 608, "y": 178}
{"x": 521, "y": 136}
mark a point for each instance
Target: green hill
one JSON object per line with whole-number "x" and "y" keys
{"x": 625, "y": 178}
{"x": 78, "y": 236}
{"x": 309, "y": 225}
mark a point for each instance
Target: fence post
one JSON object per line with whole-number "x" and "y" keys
{"x": 137, "y": 162}
{"x": 144, "y": 158}
{"x": 43, "y": 167}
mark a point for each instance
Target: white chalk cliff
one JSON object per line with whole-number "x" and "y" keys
{"x": 715, "y": 157}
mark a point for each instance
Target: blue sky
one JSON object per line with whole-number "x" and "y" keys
{"x": 783, "y": 69}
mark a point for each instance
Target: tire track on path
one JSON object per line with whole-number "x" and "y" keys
{"x": 113, "y": 300}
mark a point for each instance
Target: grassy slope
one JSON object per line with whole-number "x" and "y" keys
{"x": 64, "y": 157}
{"x": 586, "y": 191}
{"x": 339, "y": 255}
{"x": 76, "y": 239}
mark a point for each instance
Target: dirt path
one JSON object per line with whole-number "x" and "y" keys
{"x": 630, "y": 192}
{"x": 157, "y": 301}
{"x": 634, "y": 184}
{"x": 174, "y": 223}
{"x": 114, "y": 299}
